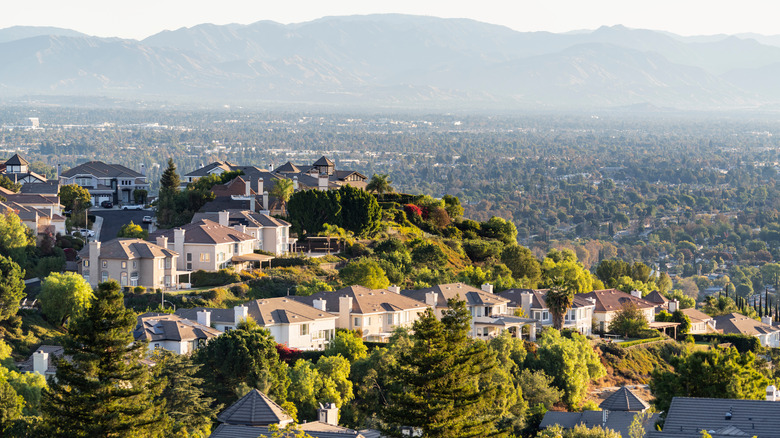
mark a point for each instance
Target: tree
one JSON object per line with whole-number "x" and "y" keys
{"x": 570, "y": 360}
{"x": 685, "y": 301}
{"x": 609, "y": 271}
{"x": 380, "y": 184}
{"x": 365, "y": 272}
{"x": 74, "y": 196}
{"x": 521, "y": 261}
{"x": 561, "y": 269}
{"x": 629, "y": 321}
{"x": 132, "y": 230}
{"x": 11, "y": 287}
{"x": 189, "y": 412}
{"x": 239, "y": 359}
{"x": 170, "y": 181}
{"x": 167, "y": 208}
{"x": 10, "y": 404}
{"x": 559, "y": 300}
{"x": 104, "y": 390}
{"x": 65, "y": 295}
{"x": 639, "y": 425}
{"x": 452, "y": 206}
{"x": 578, "y": 431}
{"x": 6, "y": 183}
{"x": 308, "y": 210}
{"x": 438, "y": 387}
{"x": 715, "y": 373}
{"x": 282, "y": 190}
{"x": 499, "y": 228}
{"x": 16, "y": 239}
{"x": 347, "y": 344}
{"x": 360, "y": 211}
{"x": 139, "y": 196}
{"x": 538, "y": 388}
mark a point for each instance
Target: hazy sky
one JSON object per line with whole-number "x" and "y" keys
{"x": 141, "y": 18}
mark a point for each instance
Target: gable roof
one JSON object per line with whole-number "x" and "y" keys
{"x": 539, "y": 298}
{"x": 254, "y": 409}
{"x": 696, "y": 315}
{"x": 736, "y": 323}
{"x": 688, "y": 416}
{"x": 323, "y": 161}
{"x": 244, "y": 217}
{"x": 612, "y": 300}
{"x": 656, "y": 297}
{"x": 100, "y": 169}
{"x": 364, "y": 300}
{"x": 624, "y": 400}
{"x": 17, "y": 160}
{"x": 205, "y": 231}
{"x": 287, "y": 167}
{"x": 209, "y": 168}
{"x": 224, "y": 316}
{"x": 166, "y": 327}
{"x": 471, "y": 295}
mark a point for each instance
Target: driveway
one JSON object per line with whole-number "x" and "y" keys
{"x": 113, "y": 220}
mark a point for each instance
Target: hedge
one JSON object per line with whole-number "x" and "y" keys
{"x": 640, "y": 341}
{"x": 222, "y": 277}
{"x": 742, "y": 343}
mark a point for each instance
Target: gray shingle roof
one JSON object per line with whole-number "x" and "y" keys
{"x": 315, "y": 429}
{"x": 624, "y": 400}
{"x": 165, "y": 327}
{"x": 254, "y": 409}
{"x": 736, "y": 323}
{"x": 365, "y": 300}
{"x": 472, "y": 295}
{"x": 618, "y": 421}
{"x": 17, "y": 160}
{"x": 100, "y": 169}
{"x": 689, "y": 416}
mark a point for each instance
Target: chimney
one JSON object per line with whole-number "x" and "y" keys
{"x": 247, "y": 187}
{"x": 766, "y": 320}
{"x": 143, "y": 169}
{"x": 319, "y": 304}
{"x": 394, "y": 289}
{"x": 604, "y": 417}
{"x": 487, "y": 287}
{"x": 270, "y": 167}
{"x": 40, "y": 362}
{"x": 636, "y": 293}
{"x": 224, "y": 218}
{"x": 322, "y": 181}
{"x": 295, "y": 183}
{"x": 252, "y": 203}
{"x": 162, "y": 241}
{"x": 240, "y": 313}
{"x": 345, "y": 312}
{"x": 204, "y": 317}
{"x": 178, "y": 246}
{"x": 673, "y": 306}
{"x": 771, "y": 393}
{"x": 94, "y": 263}
{"x": 431, "y": 298}
{"x": 525, "y": 303}
{"x": 328, "y": 414}
{"x": 265, "y": 201}
{"x": 59, "y": 171}
{"x": 259, "y": 185}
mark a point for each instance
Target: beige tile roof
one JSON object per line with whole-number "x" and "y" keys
{"x": 129, "y": 248}
{"x": 284, "y": 310}
{"x": 365, "y": 300}
{"x": 696, "y": 315}
{"x": 736, "y": 323}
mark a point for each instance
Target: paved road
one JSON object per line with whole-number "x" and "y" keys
{"x": 113, "y": 220}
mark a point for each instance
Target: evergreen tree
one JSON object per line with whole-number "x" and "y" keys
{"x": 103, "y": 390}
{"x": 438, "y": 378}
{"x": 170, "y": 181}
{"x": 189, "y": 411}
{"x": 11, "y": 287}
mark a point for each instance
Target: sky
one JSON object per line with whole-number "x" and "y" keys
{"x": 141, "y": 18}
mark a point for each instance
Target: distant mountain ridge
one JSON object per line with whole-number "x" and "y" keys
{"x": 398, "y": 61}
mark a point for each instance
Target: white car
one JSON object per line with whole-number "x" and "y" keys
{"x": 133, "y": 207}
{"x": 83, "y": 232}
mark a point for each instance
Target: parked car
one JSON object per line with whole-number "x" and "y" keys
{"x": 147, "y": 219}
{"x": 83, "y": 232}
{"x": 133, "y": 207}
{"x": 107, "y": 204}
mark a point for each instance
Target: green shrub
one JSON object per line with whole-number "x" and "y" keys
{"x": 222, "y": 277}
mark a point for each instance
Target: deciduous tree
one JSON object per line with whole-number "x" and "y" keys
{"x": 11, "y": 287}
{"x": 65, "y": 295}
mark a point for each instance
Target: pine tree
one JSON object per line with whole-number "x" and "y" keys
{"x": 438, "y": 380}
{"x": 103, "y": 390}
{"x": 170, "y": 181}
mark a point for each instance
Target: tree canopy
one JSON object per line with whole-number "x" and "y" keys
{"x": 133, "y": 230}
{"x": 65, "y": 295}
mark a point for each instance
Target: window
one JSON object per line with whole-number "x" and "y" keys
{"x": 167, "y": 263}
{"x": 123, "y": 279}
{"x": 235, "y": 248}
{"x": 189, "y": 256}
{"x": 104, "y": 276}
{"x": 161, "y": 263}
{"x": 204, "y": 257}
{"x": 357, "y": 322}
{"x": 368, "y": 320}
{"x": 86, "y": 263}
{"x": 124, "y": 264}
{"x": 105, "y": 263}
{"x": 156, "y": 346}
{"x": 189, "y": 266}
{"x": 304, "y": 329}
{"x": 135, "y": 264}
{"x": 390, "y": 319}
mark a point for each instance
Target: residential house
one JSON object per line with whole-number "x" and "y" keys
{"x": 272, "y": 234}
{"x": 290, "y": 322}
{"x": 376, "y": 312}
{"x": 42, "y": 222}
{"x": 17, "y": 169}
{"x": 107, "y": 182}
{"x": 700, "y": 322}
{"x": 43, "y": 361}
{"x": 687, "y": 417}
{"x": 534, "y": 305}
{"x": 238, "y": 194}
{"x": 736, "y": 323}
{"x": 489, "y": 312}
{"x": 172, "y": 332}
{"x": 617, "y": 413}
{"x": 660, "y": 301}
{"x": 253, "y": 414}
{"x": 209, "y": 246}
{"x": 132, "y": 262}
{"x": 611, "y": 301}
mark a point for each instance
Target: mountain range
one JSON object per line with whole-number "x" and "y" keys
{"x": 398, "y": 61}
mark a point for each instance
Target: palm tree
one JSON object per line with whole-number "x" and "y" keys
{"x": 379, "y": 184}
{"x": 559, "y": 300}
{"x": 282, "y": 190}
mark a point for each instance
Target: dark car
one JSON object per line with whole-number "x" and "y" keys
{"x": 107, "y": 204}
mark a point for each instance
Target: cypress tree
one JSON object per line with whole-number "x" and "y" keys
{"x": 103, "y": 390}
{"x": 170, "y": 181}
